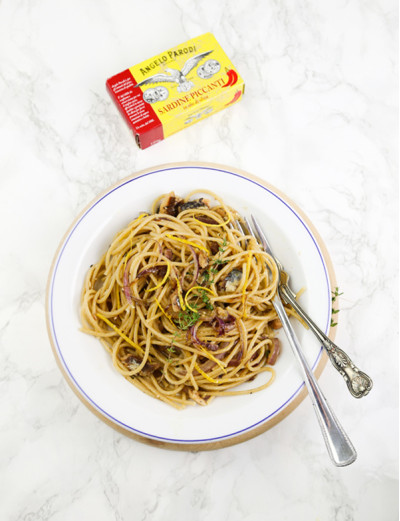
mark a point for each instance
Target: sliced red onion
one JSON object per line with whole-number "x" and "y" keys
{"x": 239, "y": 355}
{"x": 196, "y": 339}
{"x": 152, "y": 269}
{"x": 221, "y": 326}
{"x": 207, "y": 366}
{"x": 276, "y": 349}
{"x": 235, "y": 361}
{"x": 225, "y": 325}
{"x": 205, "y": 219}
{"x": 126, "y": 285}
{"x": 210, "y": 364}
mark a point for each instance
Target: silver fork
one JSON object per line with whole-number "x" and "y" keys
{"x": 358, "y": 383}
{"x": 336, "y": 440}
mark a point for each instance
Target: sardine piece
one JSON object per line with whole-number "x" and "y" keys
{"x": 232, "y": 280}
{"x": 170, "y": 204}
{"x": 198, "y": 203}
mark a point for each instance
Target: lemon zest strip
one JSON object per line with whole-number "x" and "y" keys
{"x": 181, "y": 301}
{"x": 120, "y": 333}
{"x": 139, "y": 217}
{"x": 206, "y": 375}
{"x": 184, "y": 241}
{"x": 164, "y": 312}
{"x": 197, "y": 287}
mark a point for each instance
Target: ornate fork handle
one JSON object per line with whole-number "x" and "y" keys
{"x": 358, "y": 382}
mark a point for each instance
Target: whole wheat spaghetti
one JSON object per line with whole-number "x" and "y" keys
{"x": 182, "y": 302}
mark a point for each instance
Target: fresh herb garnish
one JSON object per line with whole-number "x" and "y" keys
{"x": 171, "y": 351}
{"x": 206, "y": 299}
{"x": 206, "y": 277}
{"x": 216, "y": 264}
{"x": 335, "y": 295}
{"x": 176, "y": 334}
{"x": 187, "y": 319}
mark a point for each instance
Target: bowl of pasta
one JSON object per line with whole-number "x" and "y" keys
{"x": 159, "y": 307}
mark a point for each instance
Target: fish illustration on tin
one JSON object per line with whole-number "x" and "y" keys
{"x": 177, "y": 76}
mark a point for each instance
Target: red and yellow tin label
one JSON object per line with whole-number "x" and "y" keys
{"x": 175, "y": 89}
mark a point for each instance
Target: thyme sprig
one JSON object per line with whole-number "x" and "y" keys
{"x": 335, "y": 295}
{"x": 187, "y": 318}
{"x": 216, "y": 264}
{"x": 206, "y": 299}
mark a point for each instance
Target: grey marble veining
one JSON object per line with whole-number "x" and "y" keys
{"x": 319, "y": 120}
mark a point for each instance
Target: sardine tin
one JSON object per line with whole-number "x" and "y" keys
{"x": 176, "y": 89}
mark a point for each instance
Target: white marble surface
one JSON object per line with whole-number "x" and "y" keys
{"x": 318, "y": 121}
